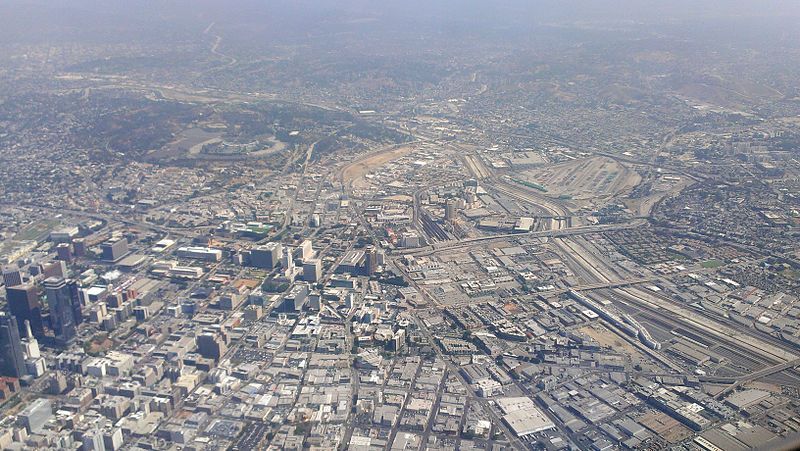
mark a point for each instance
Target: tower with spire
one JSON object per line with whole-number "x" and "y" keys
{"x": 35, "y": 364}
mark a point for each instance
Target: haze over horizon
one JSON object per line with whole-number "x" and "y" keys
{"x": 382, "y": 225}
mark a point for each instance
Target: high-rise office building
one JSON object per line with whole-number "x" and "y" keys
{"x": 62, "y": 318}
{"x": 305, "y": 250}
{"x": 64, "y": 252}
{"x": 35, "y": 364}
{"x": 450, "y": 210}
{"x": 36, "y": 415}
{"x": 267, "y": 256}
{"x": 287, "y": 263}
{"x": 75, "y": 300}
{"x": 211, "y": 345}
{"x": 114, "y": 250}
{"x": 12, "y": 276}
{"x": 56, "y": 268}
{"x": 312, "y": 270}
{"x": 79, "y": 247}
{"x": 370, "y": 260}
{"x": 23, "y": 303}
{"x": 315, "y": 301}
{"x": 295, "y": 300}
{"x": 12, "y": 360}
{"x": 92, "y": 441}
{"x": 113, "y": 439}
{"x": 29, "y": 343}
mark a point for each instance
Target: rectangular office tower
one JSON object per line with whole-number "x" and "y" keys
{"x": 12, "y": 276}
{"x": 75, "y": 300}
{"x": 114, "y": 251}
{"x": 312, "y": 270}
{"x": 267, "y": 256}
{"x": 64, "y": 252}
{"x": 23, "y": 303}
{"x": 12, "y": 362}
{"x": 62, "y": 319}
{"x": 305, "y": 250}
{"x": 211, "y": 345}
{"x": 370, "y": 260}
{"x": 295, "y": 300}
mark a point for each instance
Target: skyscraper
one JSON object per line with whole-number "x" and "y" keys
{"x": 12, "y": 276}
{"x": 79, "y": 247}
{"x": 62, "y": 318}
{"x": 23, "y": 303}
{"x": 287, "y": 263}
{"x": 312, "y": 270}
{"x": 29, "y": 343}
{"x": 35, "y": 364}
{"x": 12, "y": 361}
{"x": 267, "y": 256}
{"x": 55, "y": 268}
{"x": 450, "y": 210}
{"x": 370, "y": 260}
{"x": 75, "y": 301}
{"x": 113, "y": 251}
{"x": 64, "y": 252}
{"x": 211, "y": 345}
{"x": 306, "y": 250}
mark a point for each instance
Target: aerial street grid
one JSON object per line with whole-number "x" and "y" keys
{"x": 400, "y": 225}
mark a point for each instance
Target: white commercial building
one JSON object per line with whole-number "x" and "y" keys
{"x": 523, "y": 417}
{"x": 200, "y": 253}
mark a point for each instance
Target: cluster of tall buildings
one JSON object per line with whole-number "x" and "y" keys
{"x": 23, "y": 304}
{"x": 43, "y": 304}
{"x": 65, "y": 308}
{"x": 361, "y": 262}
{"x": 19, "y": 353}
{"x": 12, "y": 362}
{"x": 267, "y": 256}
{"x": 274, "y": 255}
{"x": 23, "y": 322}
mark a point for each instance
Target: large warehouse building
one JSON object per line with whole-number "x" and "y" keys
{"x": 523, "y": 417}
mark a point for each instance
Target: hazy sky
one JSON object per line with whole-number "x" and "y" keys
{"x": 530, "y": 9}
{"x": 36, "y": 19}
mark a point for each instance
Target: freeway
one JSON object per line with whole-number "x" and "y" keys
{"x": 596, "y": 268}
{"x": 453, "y": 245}
{"x": 580, "y": 263}
{"x": 108, "y": 218}
{"x": 746, "y": 342}
{"x": 529, "y": 196}
{"x": 583, "y": 287}
{"x": 739, "y": 380}
{"x": 709, "y": 327}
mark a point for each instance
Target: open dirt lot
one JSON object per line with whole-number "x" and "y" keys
{"x": 607, "y": 338}
{"x": 353, "y": 174}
